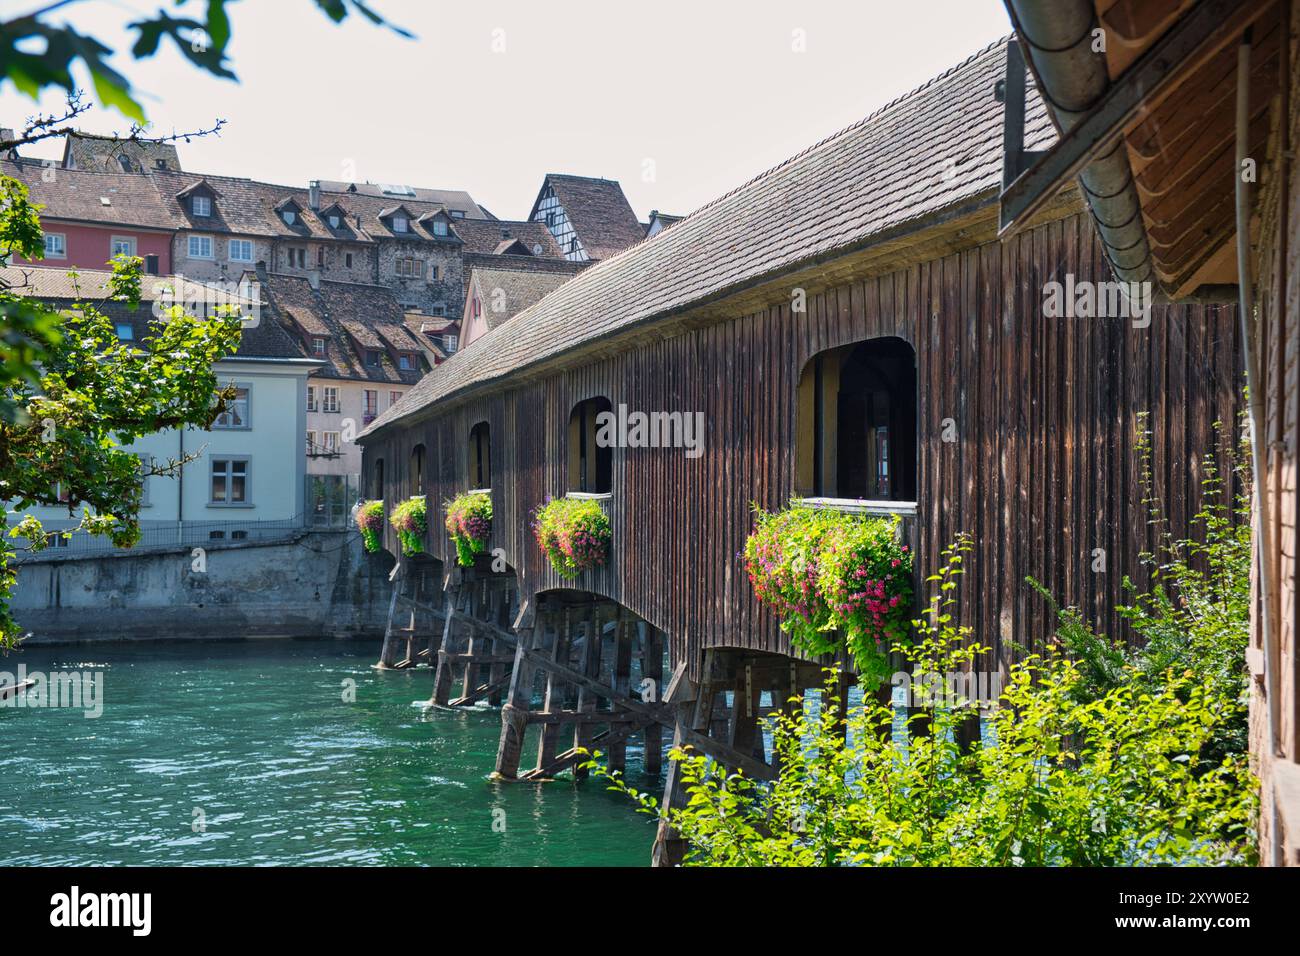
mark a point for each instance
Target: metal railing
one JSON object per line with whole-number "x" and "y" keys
{"x": 329, "y": 500}
{"x": 169, "y": 534}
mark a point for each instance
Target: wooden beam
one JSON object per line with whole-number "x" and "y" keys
{"x": 707, "y": 745}
{"x": 564, "y": 760}
{"x": 478, "y": 693}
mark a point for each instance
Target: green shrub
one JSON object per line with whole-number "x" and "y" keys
{"x": 1196, "y": 612}
{"x": 837, "y": 580}
{"x": 574, "y": 533}
{"x": 1057, "y": 781}
{"x": 410, "y": 520}
{"x": 469, "y": 522}
{"x": 370, "y": 521}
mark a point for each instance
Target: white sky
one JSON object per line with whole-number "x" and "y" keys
{"x": 679, "y": 101}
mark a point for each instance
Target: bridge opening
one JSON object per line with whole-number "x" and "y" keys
{"x": 480, "y": 456}
{"x": 416, "y": 471}
{"x": 857, "y": 422}
{"x": 591, "y": 463}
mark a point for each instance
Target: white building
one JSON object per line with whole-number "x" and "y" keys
{"x": 249, "y": 469}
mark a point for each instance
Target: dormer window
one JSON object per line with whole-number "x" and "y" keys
{"x": 458, "y": 214}
{"x": 440, "y": 227}
{"x": 399, "y": 224}
{"x": 201, "y": 205}
{"x": 318, "y": 345}
{"x": 372, "y": 358}
{"x": 404, "y": 362}
{"x": 335, "y": 222}
{"x": 125, "y": 163}
{"x": 290, "y": 217}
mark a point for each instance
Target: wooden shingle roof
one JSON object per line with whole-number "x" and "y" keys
{"x": 935, "y": 148}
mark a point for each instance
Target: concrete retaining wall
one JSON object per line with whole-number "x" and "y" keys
{"x": 308, "y": 584}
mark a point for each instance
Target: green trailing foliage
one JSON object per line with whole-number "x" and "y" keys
{"x": 410, "y": 520}
{"x": 73, "y": 396}
{"x": 837, "y": 580}
{"x": 574, "y": 533}
{"x": 370, "y": 522}
{"x": 469, "y": 523}
{"x": 1118, "y": 780}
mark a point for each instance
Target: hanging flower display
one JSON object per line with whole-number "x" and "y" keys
{"x": 837, "y": 580}
{"x": 410, "y": 520}
{"x": 370, "y": 520}
{"x": 469, "y": 522}
{"x": 575, "y": 534}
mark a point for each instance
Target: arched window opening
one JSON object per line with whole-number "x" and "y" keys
{"x": 417, "y": 470}
{"x": 857, "y": 423}
{"x": 480, "y": 456}
{"x": 591, "y": 463}
{"x": 377, "y": 480}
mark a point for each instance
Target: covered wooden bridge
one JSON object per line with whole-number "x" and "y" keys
{"x": 850, "y": 329}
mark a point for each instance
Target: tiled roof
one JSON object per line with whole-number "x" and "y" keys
{"x": 362, "y": 333}
{"x": 451, "y": 198}
{"x": 930, "y": 150}
{"x": 663, "y": 218}
{"x": 78, "y": 195}
{"x": 111, "y": 154}
{"x": 519, "y": 289}
{"x": 482, "y": 235}
{"x": 599, "y": 213}
{"x": 266, "y": 339}
{"x": 397, "y": 337}
{"x": 248, "y": 207}
{"x": 346, "y": 313}
{"x": 428, "y": 330}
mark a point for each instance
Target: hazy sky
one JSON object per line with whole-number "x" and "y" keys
{"x": 679, "y": 101}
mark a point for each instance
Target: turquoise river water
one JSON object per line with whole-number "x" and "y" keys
{"x": 247, "y": 753}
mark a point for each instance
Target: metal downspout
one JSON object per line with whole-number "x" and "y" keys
{"x": 1073, "y": 78}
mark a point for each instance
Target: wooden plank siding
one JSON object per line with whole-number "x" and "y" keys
{"x": 1042, "y": 473}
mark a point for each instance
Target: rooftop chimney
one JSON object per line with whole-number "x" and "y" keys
{"x": 313, "y": 195}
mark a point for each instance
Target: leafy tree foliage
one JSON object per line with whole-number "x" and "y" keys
{"x": 201, "y": 37}
{"x": 72, "y": 395}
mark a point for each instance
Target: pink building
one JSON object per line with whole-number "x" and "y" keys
{"x": 89, "y": 217}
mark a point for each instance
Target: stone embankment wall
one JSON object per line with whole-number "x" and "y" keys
{"x": 307, "y": 584}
